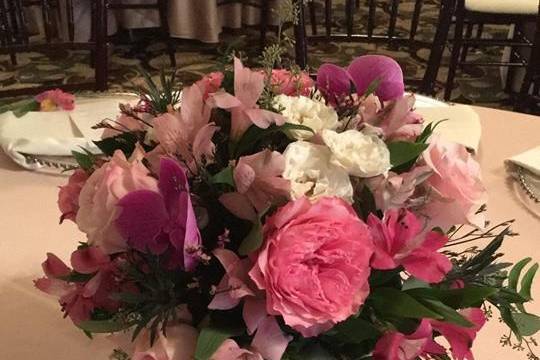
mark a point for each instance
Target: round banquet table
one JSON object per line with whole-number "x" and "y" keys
{"x": 32, "y": 326}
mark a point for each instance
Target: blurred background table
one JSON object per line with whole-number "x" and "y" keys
{"x": 32, "y": 323}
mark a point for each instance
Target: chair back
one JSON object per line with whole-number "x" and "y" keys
{"x": 14, "y": 39}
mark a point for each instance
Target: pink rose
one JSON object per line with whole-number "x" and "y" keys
{"x": 285, "y": 82}
{"x": 314, "y": 265}
{"x": 99, "y": 197}
{"x": 179, "y": 344}
{"x": 210, "y": 83}
{"x": 68, "y": 196}
{"x": 50, "y": 100}
{"x": 457, "y": 191}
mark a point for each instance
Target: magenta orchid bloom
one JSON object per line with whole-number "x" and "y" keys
{"x": 335, "y": 82}
{"x": 248, "y": 87}
{"x": 398, "y": 242}
{"x": 258, "y": 184}
{"x": 235, "y": 286}
{"x": 152, "y": 220}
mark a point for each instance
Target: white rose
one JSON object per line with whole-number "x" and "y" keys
{"x": 359, "y": 154}
{"x": 311, "y": 174}
{"x": 305, "y": 111}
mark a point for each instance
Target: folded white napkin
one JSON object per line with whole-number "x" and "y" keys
{"x": 529, "y": 160}
{"x": 57, "y": 133}
{"x": 461, "y": 125}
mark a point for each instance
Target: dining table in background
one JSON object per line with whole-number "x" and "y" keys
{"x": 32, "y": 326}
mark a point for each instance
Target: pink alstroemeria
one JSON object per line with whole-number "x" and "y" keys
{"x": 187, "y": 133}
{"x": 398, "y": 121}
{"x": 461, "y": 338}
{"x": 394, "y": 345}
{"x": 248, "y": 87}
{"x": 398, "y": 242}
{"x": 235, "y": 286}
{"x": 68, "y": 196}
{"x": 397, "y": 190}
{"x": 258, "y": 184}
{"x": 152, "y": 220}
{"x": 78, "y": 300}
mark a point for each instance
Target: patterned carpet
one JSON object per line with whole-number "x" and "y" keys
{"x": 476, "y": 85}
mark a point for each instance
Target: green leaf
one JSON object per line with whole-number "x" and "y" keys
{"x": 355, "y": 330}
{"x": 414, "y": 283}
{"x": 372, "y": 87}
{"x": 253, "y": 240}
{"x": 447, "y": 313}
{"x": 513, "y": 276}
{"x": 428, "y": 131}
{"x": 103, "y": 326}
{"x": 85, "y": 161}
{"x": 506, "y": 315}
{"x": 526, "y": 282}
{"x": 125, "y": 142}
{"x": 402, "y": 152}
{"x": 527, "y": 324}
{"x": 255, "y": 134}
{"x": 209, "y": 340}
{"x": 225, "y": 176}
{"x": 456, "y": 298}
{"x": 23, "y": 107}
{"x": 394, "y": 302}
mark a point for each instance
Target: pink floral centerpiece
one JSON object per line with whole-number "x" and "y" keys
{"x": 268, "y": 216}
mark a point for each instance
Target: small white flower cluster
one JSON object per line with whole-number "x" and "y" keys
{"x": 317, "y": 170}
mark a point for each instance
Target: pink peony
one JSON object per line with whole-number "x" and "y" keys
{"x": 187, "y": 133}
{"x": 398, "y": 242}
{"x": 285, "y": 82}
{"x": 314, "y": 264}
{"x": 52, "y": 99}
{"x": 99, "y": 197}
{"x": 248, "y": 87}
{"x": 457, "y": 191}
{"x": 68, "y": 196}
{"x": 258, "y": 184}
{"x": 210, "y": 83}
{"x": 394, "y": 345}
{"x": 179, "y": 344}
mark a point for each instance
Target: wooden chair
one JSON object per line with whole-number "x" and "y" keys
{"x": 14, "y": 32}
{"x": 529, "y": 95}
{"x": 161, "y": 6}
{"x": 389, "y": 36}
{"x": 489, "y": 12}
